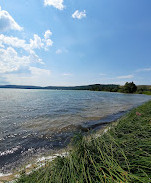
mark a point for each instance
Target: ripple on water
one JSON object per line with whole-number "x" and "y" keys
{"x": 34, "y": 122}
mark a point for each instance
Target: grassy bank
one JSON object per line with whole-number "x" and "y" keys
{"x": 144, "y": 92}
{"x": 122, "y": 154}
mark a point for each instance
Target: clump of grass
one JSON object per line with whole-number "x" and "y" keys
{"x": 123, "y": 154}
{"x": 147, "y": 92}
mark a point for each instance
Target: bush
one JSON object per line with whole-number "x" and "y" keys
{"x": 129, "y": 87}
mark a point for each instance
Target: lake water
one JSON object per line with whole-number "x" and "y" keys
{"x": 34, "y": 122}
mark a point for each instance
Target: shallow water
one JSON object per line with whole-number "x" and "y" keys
{"x": 34, "y": 122}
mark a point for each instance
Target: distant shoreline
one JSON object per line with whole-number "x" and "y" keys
{"x": 141, "y": 89}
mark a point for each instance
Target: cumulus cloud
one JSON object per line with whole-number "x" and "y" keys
{"x": 35, "y": 43}
{"x": 36, "y": 76}
{"x": 7, "y": 22}
{"x": 12, "y": 59}
{"x": 125, "y": 77}
{"x": 13, "y": 41}
{"x": 79, "y": 15}
{"x": 55, "y": 3}
{"x": 47, "y": 34}
{"x": 19, "y": 54}
{"x": 47, "y": 39}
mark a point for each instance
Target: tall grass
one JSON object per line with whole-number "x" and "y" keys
{"x": 123, "y": 154}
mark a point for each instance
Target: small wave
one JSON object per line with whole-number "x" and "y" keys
{"x": 10, "y": 151}
{"x": 92, "y": 124}
{"x": 5, "y": 175}
{"x": 50, "y": 158}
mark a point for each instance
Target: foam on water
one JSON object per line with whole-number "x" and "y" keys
{"x": 5, "y": 175}
{"x": 11, "y": 151}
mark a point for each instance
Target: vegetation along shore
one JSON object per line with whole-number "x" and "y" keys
{"x": 121, "y": 154}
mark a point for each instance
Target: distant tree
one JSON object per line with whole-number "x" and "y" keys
{"x": 140, "y": 90}
{"x": 115, "y": 89}
{"x": 129, "y": 87}
{"x": 99, "y": 87}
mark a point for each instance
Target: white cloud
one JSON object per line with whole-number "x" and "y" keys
{"x": 35, "y": 43}
{"x": 19, "y": 54}
{"x": 38, "y": 71}
{"x": 125, "y": 77}
{"x": 37, "y": 76}
{"x": 7, "y": 22}
{"x": 55, "y": 3}
{"x": 67, "y": 74}
{"x": 144, "y": 70}
{"x": 47, "y": 39}
{"x": 13, "y": 41}
{"x": 79, "y": 15}
{"x": 10, "y": 60}
{"x": 147, "y": 69}
{"x": 48, "y": 43}
{"x": 62, "y": 50}
{"x": 47, "y": 34}
{"x": 59, "y": 51}
{"x": 101, "y": 74}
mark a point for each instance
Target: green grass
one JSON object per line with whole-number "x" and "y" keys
{"x": 143, "y": 92}
{"x": 123, "y": 154}
{"x": 147, "y": 92}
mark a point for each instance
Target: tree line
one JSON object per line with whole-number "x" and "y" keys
{"x": 129, "y": 87}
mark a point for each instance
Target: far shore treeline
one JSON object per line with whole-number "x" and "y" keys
{"x": 129, "y": 87}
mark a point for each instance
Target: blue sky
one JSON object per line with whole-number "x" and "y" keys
{"x": 74, "y": 42}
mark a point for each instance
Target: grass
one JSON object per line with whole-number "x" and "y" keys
{"x": 143, "y": 92}
{"x": 147, "y": 92}
{"x": 122, "y": 154}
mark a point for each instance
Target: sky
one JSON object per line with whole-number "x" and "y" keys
{"x": 74, "y": 42}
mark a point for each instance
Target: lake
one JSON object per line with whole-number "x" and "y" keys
{"x": 34, "y": 122}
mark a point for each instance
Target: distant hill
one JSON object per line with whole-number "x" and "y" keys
{"x": 141, "y": 89}
{"x": 20, "y": 87}
{"x": 96, "y": 87}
